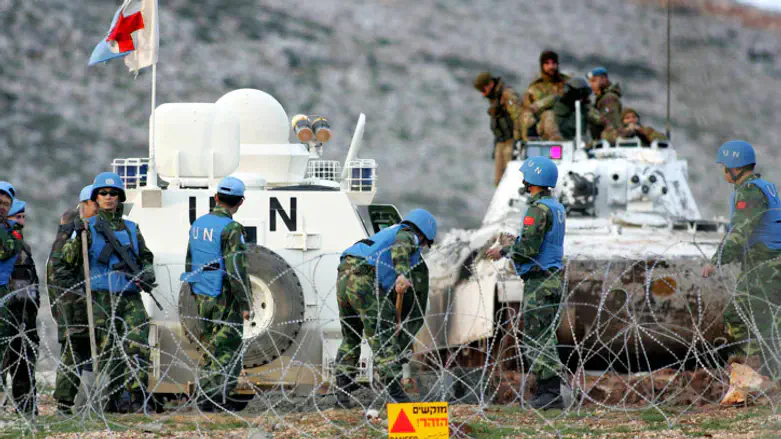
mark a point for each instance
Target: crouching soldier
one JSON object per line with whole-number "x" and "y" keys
{"x": 537, "y": 253}
{"x": 216, "y": 269}
{"x": 116, "y": 246}
{"x": 372, "y": 273}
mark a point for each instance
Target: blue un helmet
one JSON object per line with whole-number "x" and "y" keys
{"x": 85, "y": 194}
{"x": 424, "y": 221}
{"x": 108, "y": 179}
{"x": 17, "y": 207}
{"x": 8, "y": 188}
{"x": 540, "y": 171}
{"x": 231, "y": 186}
{"x": 736, "y": 154}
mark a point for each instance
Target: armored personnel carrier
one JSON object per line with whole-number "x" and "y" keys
{"x": 634, "y": 247}
{"x": 300, "y": 213}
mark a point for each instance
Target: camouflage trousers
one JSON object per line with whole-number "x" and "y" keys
{"x": 75, "y": 354}
{"x": 75, "y": 351}
{"x": 541, "y": 299}
{"x": 503, "y": 154}
{"x": 222, "y": 330}
{"x": 122, "y": 336}
{"x": 547, "y": 127}
{"x": 753, "y": 317}
{"x": 18, "y": 351}
{"x": 363, "y": 310}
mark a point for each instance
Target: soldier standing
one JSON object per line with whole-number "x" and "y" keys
{"x": 121, "y": 322}
{"x": 69, "y": 308}
{"x": 505, "y": 114}
{"x": 371, "y": 274}
{"x": 541, "y": 95}
{"x": 23, "y": 302}
{"x": 606, "y": 111}
{"x": 754, "y": 240}
{"x": 537, "y": 253}
{"x": 216, "y": 269}
{"x": 10, "y": 247}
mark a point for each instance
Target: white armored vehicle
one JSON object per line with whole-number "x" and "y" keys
{"x": 634, "y": 246}
{"x": 299, "y": 212}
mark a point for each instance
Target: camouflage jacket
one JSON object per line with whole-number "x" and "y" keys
{"x": 646, "y": 134}
{"x": 69, "y": 267}
{"x": 234, "y": 253}
{"x": 24, "y": 273}
{"x": 505, "y": 112}
{"x": 750, "y": 205}
{"x": 606, "y": 111}
{"x": 58, "y": 281}
{"x": 542, "y": 92}
{"x": 536, "y": 223}
{"x": 10, "y": 246}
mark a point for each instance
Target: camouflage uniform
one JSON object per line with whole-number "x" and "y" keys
{"x": 364, "y": 309}
{"x": 646, "y": 134}
{"x": 121, "y": 321}
{"x": 538, "y": 101}
{"x": 413, "y": 308}
{"x": 222, "y": 325}
{"x": 20, "y": 357}
{"x": 10, "y": 246}
{"x": 751, "y": 317}
{"x": 606, "y": 111}
{"x": 541, "y": 292}
{"x": 505, "y": 113}
{"x": 69, "y": 309}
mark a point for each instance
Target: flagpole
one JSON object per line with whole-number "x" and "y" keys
{"x": 151, "y": 178}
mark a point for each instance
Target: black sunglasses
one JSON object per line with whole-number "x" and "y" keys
{"x": 109, "y": 193}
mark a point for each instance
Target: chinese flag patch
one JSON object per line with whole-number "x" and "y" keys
{"x": 740, "y": 205}
{"x": 528, "y": 221}
{"x": 16, "y": 234}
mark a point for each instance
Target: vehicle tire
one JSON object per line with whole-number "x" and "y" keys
{"x": 277, "y": 303}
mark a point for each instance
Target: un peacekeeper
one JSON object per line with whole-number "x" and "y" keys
{"x": 754, "y": 240}
{"x": 69, "y": 307}
{"x": 540, "y": 96}
{"x": 565, "y": 128}
{"x": 121, "y": 322}
{"x": 10, "y": 248}
{"x": 216, "y": 269}
{"x": 537, "y": 253}
{"x": 371, "y": 273}
{"x": 505, "y": 114}
{"x": 23, "y": 303}
{"x": 631, "y": 127}
{"x": 606, "y": 111}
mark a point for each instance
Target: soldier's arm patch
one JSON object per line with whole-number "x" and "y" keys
{"x": 528, "y": 221}
{"x": 740, "y": 205}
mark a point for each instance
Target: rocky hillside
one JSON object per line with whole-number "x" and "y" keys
{"x": 407, "y": 64}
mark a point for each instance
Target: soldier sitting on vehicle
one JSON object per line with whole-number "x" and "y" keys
{"x": 632, "y": 128}
{"x": 606, "y": 111}
{"x": 565, "y": 128}
{"x": 540, "y": 96}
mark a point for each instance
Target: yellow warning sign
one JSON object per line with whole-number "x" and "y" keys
{"x": 417, "y": 420}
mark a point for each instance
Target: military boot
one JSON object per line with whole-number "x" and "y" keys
{"x": 137, "y": 403}
{"x": 548, "y": 395}
{"x": 64, "y": 409}
{"x": 396, "y": 391}
{"x": 344, "y": 387}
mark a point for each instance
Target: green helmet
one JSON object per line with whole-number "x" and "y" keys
{"x": 482, "y": 80}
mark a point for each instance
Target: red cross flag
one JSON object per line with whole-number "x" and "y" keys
{"x": 133, "y": 35}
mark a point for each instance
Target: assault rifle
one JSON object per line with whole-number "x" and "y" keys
{"x": 127, "y": 256}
